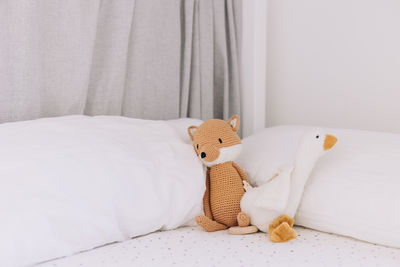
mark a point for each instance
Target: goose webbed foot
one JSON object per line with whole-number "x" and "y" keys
{"x": 281, "y": 229}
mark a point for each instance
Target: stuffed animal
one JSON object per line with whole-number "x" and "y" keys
{"x": 217, "y": 144}
{"x": 272, "y": 206}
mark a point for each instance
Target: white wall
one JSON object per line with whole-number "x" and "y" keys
{"x": 334, "y": 63}
{"x": 254, "y": 65}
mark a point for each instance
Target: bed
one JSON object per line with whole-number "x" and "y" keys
{"x": 113, "y": 191}
{"x": 190, "y": 246}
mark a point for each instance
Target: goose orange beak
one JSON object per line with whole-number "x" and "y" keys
{"x": 329, "y": 142}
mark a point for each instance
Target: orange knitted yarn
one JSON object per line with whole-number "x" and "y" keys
{"x": 226, "y": 191}
{"x": 224, "y": 181}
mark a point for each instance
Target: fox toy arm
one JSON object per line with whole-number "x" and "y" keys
{"x": 241, "y": 172}
{"x": 206, "y": 198}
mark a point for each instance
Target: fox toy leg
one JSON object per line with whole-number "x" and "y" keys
{"x": 206, "y": 197}
{"x": 244, "y": 227}
{"x": 281, "y": 229}
{"x": 209, "y": 225}
{"x": 243, "y": 219}
{"x": 206, "y": 221}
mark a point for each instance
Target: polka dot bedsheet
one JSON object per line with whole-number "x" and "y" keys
{"x": 190, "y": 246}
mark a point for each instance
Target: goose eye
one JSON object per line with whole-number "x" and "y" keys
{"x": 197, "y": 146}
{"x": 317, "y": 136}
{"x": 220, "y": 141}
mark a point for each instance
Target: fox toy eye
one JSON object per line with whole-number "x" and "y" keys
{"x": 220, "y": 141}
{"x": 197, "y": 146}
{"x": 317, "y": 136}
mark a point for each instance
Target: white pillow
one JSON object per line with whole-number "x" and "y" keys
{"x": 73, "y": 183}
{"x": 354, "y": 189}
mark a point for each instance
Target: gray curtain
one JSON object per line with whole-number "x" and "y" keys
{"x": 151, "y": 59}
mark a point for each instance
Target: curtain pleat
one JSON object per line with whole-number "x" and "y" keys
{"x": 150, "y": 59}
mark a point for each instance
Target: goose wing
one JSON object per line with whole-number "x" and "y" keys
{"x": 274, "y": 194}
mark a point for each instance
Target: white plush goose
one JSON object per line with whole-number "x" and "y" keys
{"x": 272, "y": 206}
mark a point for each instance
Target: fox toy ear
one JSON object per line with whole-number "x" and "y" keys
{"x": 234, "y": 122}
{"x": 191, "y": 131}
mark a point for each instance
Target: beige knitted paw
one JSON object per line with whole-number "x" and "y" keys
{"x": 243, "y": 219}
{"x": 209, "y": 225}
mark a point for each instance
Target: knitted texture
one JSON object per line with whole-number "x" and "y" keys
{"x": 226, "y": 191}
{"x": 224, "y": 181}
{"x": 208, "y": 135}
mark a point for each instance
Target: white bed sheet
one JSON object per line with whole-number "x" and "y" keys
{"x": 191, "y": 246}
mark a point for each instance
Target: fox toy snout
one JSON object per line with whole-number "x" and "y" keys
{"x": 216, "y": 141}
{"x": 209, "y": 152}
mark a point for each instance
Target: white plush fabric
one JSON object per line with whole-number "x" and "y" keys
{"x": 283, "y": 192}
{"x": 73, "y": 183}
{"x": 353, "y": 190}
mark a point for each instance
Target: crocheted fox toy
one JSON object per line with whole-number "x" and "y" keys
{"x": 217, "y": 144}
